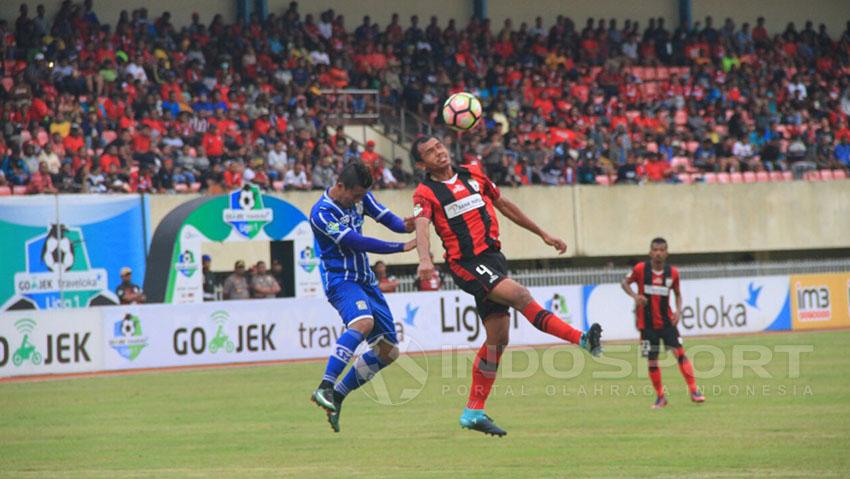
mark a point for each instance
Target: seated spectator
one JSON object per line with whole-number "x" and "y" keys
{"x": 324, "y": 174}
{"x": 41, "y": 181}
{"x": 296, "y": 179}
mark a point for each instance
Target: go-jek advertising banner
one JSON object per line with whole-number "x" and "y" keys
{"x": 66, "y": 251}
{"x": 149, "y": 336}
{"x": 820, "y": 301}
{"x": 174, "y": 265}
{"x": 38, "y": 342}
{"x": 709, "y": 306}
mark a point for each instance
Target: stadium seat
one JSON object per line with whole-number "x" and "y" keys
{"x": 826, "y": 175}
{"x": 813, "y": 175}
{"x": 181, "y": 188}
{"x": 685, "y": 178}
{"x": 196, "y": 187}
{"x": 839, "y": 174}
{"x": 41, "y": 137}
{"x": 5, "y": 191}
{"x": 749, "y": 177}
{"x": 652, "y": 147}
{"x": 8, "y": 83}
{"x": 692, "y": 146}
{"x": 19, "y": 190}
{"x": 736, "y": 177}
{"x": 680, "y": 161}
{"x": 278, "y": 185}
{"x": 762, "y": 176}
{"x": 603, "y": 180}
{"x": 723, "y": 178}
{"x": 787, "y": 175}
{"x": 709, "y": 178}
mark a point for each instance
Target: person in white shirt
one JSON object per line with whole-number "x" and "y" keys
{"x": 277, "y": 158}
{"x": 296, "y": 179}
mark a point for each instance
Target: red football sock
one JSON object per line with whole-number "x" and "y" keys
{"x": 549, "y": 323}
{"x": 686, "y": 368}
{"x": 483, "y": 375}
{"x": 655, "y": 376}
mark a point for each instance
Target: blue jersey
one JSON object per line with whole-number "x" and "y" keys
{"x": 331, "y": 224}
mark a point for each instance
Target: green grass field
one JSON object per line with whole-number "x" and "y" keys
{"x": 258, "y": 422}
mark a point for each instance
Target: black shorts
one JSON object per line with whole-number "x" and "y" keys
{"x": 650, "y": 340}
{"x": 478, "y": 276}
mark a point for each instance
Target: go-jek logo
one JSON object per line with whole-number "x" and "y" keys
{"x": 27, "y": 350}
{"x": 186, "y": 264}
{"x": 246, "y": 212}
{"x": 128, "y": 339}
{"x": 558, "y": 306}
{"x": 250, "y": 337}
{"x": 61, "y": 347}
{"x": 308, "y": 260}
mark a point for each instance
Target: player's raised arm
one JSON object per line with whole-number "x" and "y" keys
{"x": 383, "y": 215}
{"x": 515, "y": 214}
{"x": 344, "y": 235}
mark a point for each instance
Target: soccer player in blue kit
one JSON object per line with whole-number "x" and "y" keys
{"x": 350, "y": 286}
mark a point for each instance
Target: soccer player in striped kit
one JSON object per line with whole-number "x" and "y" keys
{"x": 461, "y": 202}
{"x": 350, "y": 285}
{"x": 656, "y": 321}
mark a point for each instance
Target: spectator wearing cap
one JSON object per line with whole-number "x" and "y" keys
{"x": 210, "y": 283}
{"x": 129, "y": 292}
{"x": 236, "y": 285}
{"x": 263, "y": 284}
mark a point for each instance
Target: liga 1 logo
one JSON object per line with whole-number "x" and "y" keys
{"x": 58, "y": 260}
{"x": 186, "y": 263}
{"x": 246, "y": 212}
{"x": 128, "y": 339}
{"x": 307, "y": 259}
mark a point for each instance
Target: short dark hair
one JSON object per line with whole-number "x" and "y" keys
{"x": 658, "y": 240}
{"x": 355, "y": 174}
{"x": 415, "y": 156}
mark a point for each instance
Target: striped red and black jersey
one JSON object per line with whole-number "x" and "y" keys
{"x": 462, "y": 211}
{"x": 656, "y": 286}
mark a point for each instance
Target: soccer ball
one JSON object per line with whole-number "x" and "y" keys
{"x": 246, "y": 199}
{"x": 461, "y": 111}
{"x": 57, "y": 253}
{"x": 128, "y": 326}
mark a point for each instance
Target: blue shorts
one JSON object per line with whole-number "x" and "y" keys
{"x": 356, "y": 301}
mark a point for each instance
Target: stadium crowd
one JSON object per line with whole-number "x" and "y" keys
{"x": 144, "y": 105}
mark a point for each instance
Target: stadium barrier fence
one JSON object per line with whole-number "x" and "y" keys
{"x": 114, "y": 338}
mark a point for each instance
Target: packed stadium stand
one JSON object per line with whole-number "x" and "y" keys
{"x": 143, "y": 105}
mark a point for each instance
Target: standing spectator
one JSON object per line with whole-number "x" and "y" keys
{"x": 278, "y": 275}
{"x": 236, "y": 285}
{"x": 127, "y": 291}
{"x": 324, "y": 175}
{"x": 373, "y": 162}
{"x": 210, "y": 283}
{"x": 263, "y": 284}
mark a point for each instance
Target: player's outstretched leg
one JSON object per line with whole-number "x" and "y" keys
{"x": 364, "y": 369}
{"x": 484, "y": 369}
{"x": 687, "y": 371}
{"x": 342, "y": 353}
{"x": 518, "y": 297}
